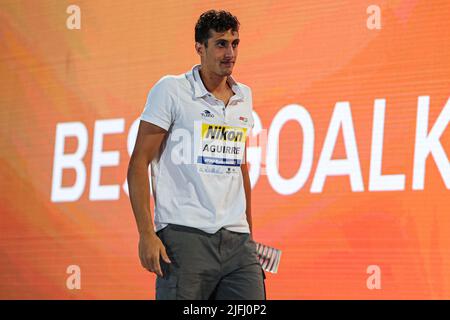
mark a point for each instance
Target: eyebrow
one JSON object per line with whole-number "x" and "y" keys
{"x": 235, "y": 40}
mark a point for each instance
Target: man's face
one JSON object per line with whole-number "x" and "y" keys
{"x": 221, "y": 53}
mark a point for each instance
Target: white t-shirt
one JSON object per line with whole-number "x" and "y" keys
{"x": 196, "y": 177}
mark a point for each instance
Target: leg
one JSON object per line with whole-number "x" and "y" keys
{"x": 246, "y": 283}
{"x": 242, "y": 276}
{"x": 195, "y": 269}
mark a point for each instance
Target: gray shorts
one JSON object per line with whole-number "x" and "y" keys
{"x": 219, "y": 266}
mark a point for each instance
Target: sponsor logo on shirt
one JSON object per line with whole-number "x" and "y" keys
{"x": 207, "y": 114}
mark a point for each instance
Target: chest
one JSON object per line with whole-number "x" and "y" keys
{"x": 212, "y": 110}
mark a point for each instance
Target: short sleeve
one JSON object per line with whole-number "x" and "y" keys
{"x": 252, "y": 120}
{"x": 160, "y": 105}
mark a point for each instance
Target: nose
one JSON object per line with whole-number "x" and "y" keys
{"x": 229, "y": 53}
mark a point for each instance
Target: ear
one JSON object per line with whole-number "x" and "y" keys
{"x": 199, "y": 48}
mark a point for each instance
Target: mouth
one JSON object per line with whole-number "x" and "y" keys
{"x": 227, "y": 63}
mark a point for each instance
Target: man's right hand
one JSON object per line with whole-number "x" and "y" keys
{"x": 150, "y": 249}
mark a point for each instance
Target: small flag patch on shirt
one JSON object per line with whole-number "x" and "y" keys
{"x": 243, "y": 119}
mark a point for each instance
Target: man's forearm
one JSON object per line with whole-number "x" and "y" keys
{"x": 139, "y": 192}
{"x": 248, "y": 196}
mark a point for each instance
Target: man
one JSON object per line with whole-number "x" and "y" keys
{"x": 193, "y": 131}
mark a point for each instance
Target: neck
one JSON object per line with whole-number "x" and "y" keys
{"x": 212, "y": 81}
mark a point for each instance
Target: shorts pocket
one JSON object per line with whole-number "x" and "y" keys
{"x": 166, "y": 288}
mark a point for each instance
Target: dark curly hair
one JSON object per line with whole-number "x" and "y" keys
{"x": 219, "y": 21}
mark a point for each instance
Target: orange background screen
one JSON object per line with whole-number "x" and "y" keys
{"x": 325, "y": 58}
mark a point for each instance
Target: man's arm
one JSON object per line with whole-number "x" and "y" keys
{"x": 148, "y": 142}
{"x": 248, "y": 191}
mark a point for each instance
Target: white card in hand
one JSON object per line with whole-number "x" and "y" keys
{"x": 269, "y": 257}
